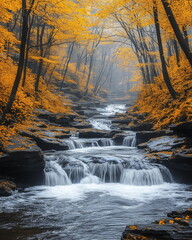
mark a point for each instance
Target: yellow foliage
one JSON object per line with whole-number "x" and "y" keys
{"x": 155, "y": 100}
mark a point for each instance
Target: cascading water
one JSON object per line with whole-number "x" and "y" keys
{"x": 105, "y": 169}
{"x": 129, "y": 141}
{"x": 56, "y": 175}
{"x": 101, "y": 124}
{"x": 77, "y": 143}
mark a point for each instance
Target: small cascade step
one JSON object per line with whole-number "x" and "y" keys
{"x": 101, "y": 124}
{"x": 77, "y": 143}
{"x": 129, "y": 141}
{"x": 138, "y": 173}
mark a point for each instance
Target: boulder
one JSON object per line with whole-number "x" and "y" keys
{"x": 50, "y": 144}
{"x": 184, "y": 128}
{"x": 118, "y": 138}
{"x": 178, "y": 226}
{"x": 46, "y": 143}
{"x": 145, "y": 136}
{"x": 6, "y": 188}
{"x": 122, "y": 121}
{"x": 21, "y": 158}
{"x": 113, "y": 133}
{"x": 63, "y": 136}
{"x": 58, "y": 118}
{"x": 165, "y": 143}
{"x": 145, "y": 126}
{"x": 93, "y": 134}
{"x": 80, "y": 125}
{"x": 180, "y": 165}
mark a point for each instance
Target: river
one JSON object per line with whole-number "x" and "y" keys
{"x": 92, "y": 191}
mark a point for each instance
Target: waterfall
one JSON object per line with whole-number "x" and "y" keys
{"x": 77, "y": 143}
{"x": 77, "y": 171}
{"x": 129, "y": 141}
{"x": 142, "y": 177}
{"x": 106, "y": 142}
{"x": 107, "y": 172}
{"x": 101, "y": 124}
{"x": 56, "y": 175}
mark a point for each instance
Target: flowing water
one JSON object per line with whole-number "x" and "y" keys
{"x": 92, "y": 191}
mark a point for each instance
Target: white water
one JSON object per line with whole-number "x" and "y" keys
{"x": 129, "y": 141}
{"x": 112, "y": 109}
{"x": 101, "y": 124}
{"x": 79, "y": 143}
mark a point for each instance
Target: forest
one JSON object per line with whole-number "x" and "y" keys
{"x": 109, "y": 76}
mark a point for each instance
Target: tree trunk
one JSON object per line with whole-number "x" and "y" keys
{"x": 67, "y": 64}
{"x": 177, "y": 31}
{"x": 25, "y": 15}
{"x": 163, "y": 63}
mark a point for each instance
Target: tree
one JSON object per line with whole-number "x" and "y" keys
{"x": 25, "y": 17}
{"x": 161, "y": 52}
{"x": 181, "y": 39}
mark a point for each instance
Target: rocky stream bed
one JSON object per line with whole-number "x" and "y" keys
{"x": 87, "y": 176}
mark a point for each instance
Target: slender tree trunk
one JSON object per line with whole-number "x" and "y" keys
{"x": 177, "y": 31}
{"x": 89, "y": 73}
{"x": 67, "y": 64}
{"x": 27, "y": 52}
{"x": 176, "y": 49}
{"x": 41, "y": 60}
{"x": 25, "y": 14}
{"x": 163, "y": 62}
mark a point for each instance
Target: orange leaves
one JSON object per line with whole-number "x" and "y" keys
{"x": 161, "y": 109}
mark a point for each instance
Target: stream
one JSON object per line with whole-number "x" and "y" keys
{"x": 92, "y": 191}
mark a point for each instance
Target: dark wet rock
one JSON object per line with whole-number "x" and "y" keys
{"x": 47, "y": 143}
{"x": 93, "y": 134}
{"x": 6, "y": 188}
{"x": 118, "y": 138}
{"x": 63, "y": 136}
{"x": 165, "y": 143}
{"x": 142, "y": 145}
{"x": 50, "y": 144}
{"x": 60, "y": 130}
{"x": 90, "y": 113}
{"x": 124, "y": 127}
{"x": 21, "y": 158}
{"x": 58, "y": 118}
{"x": 177, "y": 227}
{"x": 113, "y": 133}
{"x": 182, "y": 161}
{"x": 122, "y": 121}
{"x": 145, "y": 136}
{"x": 80, "y": 125}
{"x": 180, "y": 165}
{"x": 180, "y": 214}
{"x": 184, "y": 128}
{"x": 145, "y": 126}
